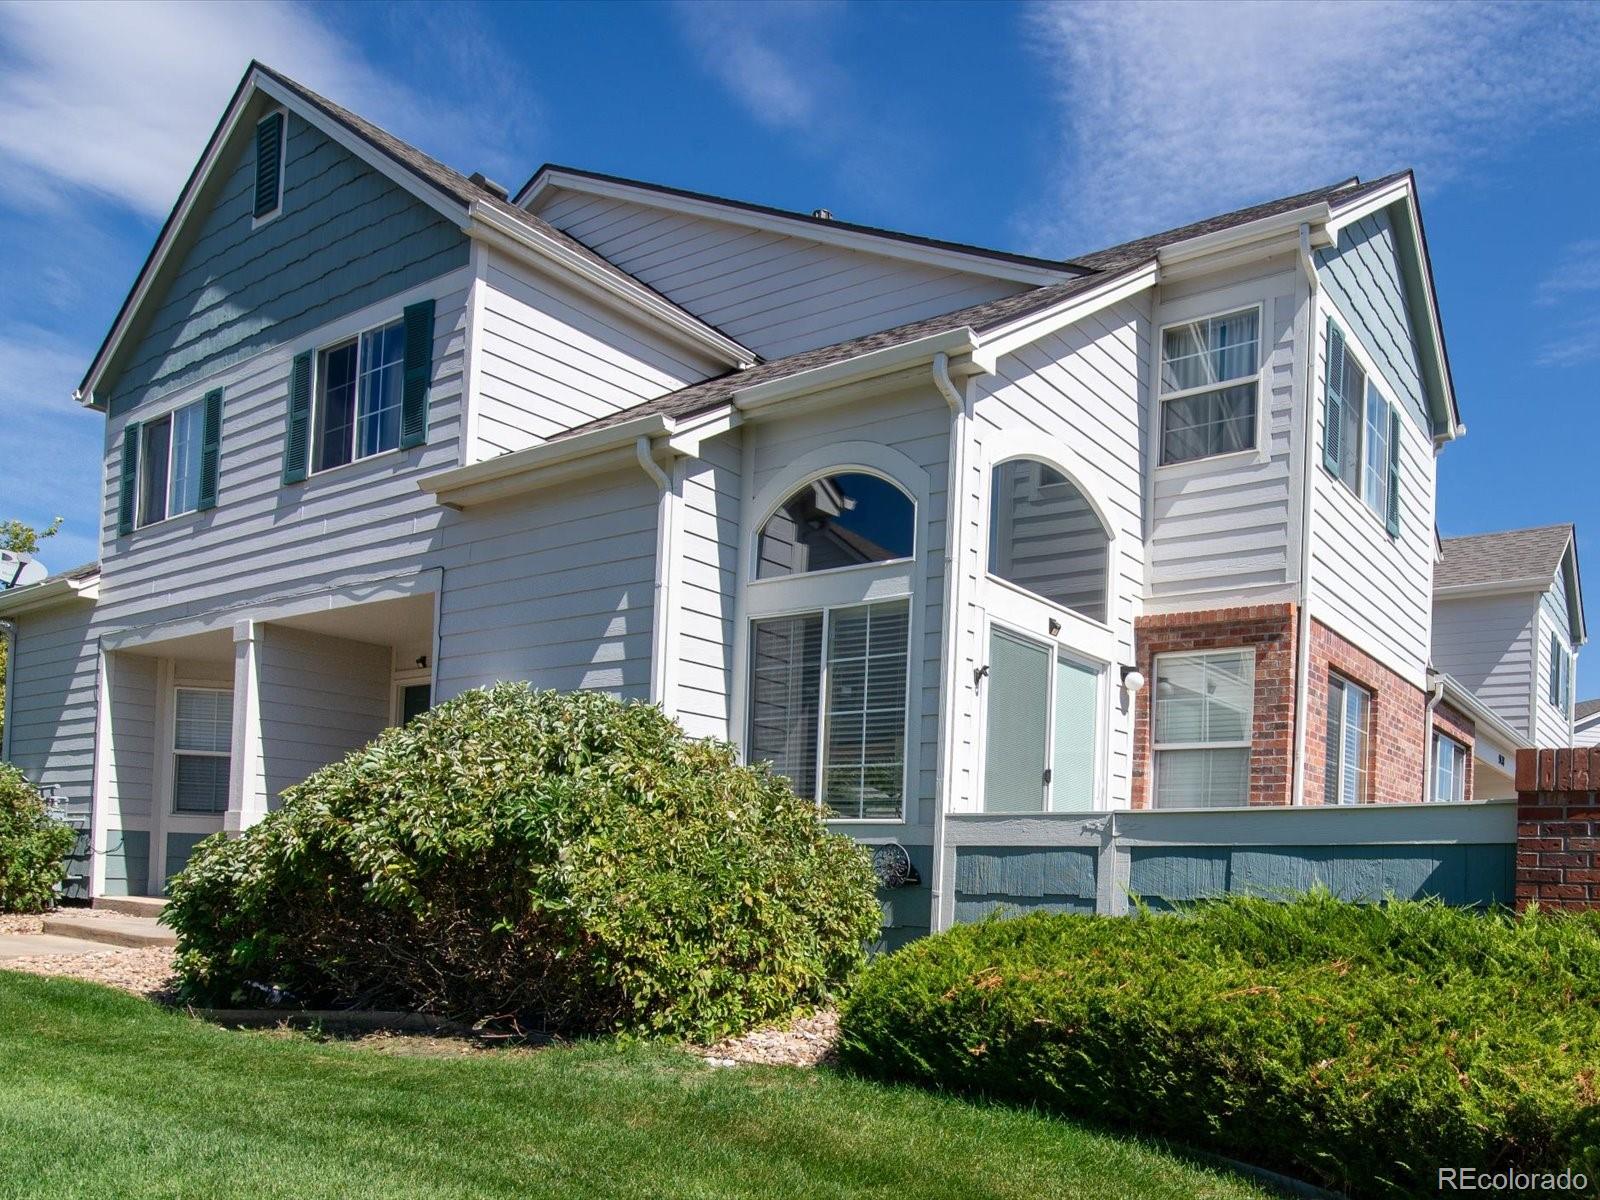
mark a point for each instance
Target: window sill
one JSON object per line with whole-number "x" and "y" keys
{"x": 1196, "y": 466}
{"x": 357, "y": 462}
{"x": 165, "y": 522}
{"x": 1352, "y": 498}
{"x": 900, "y": 820}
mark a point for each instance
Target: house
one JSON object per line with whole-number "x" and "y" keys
{"x": 1586, "y": 723}
{"x": 1016, "y": 562}
{"x": 1508, "y": 623}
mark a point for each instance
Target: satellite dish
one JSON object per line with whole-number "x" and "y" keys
{"x": 19, "y": 570}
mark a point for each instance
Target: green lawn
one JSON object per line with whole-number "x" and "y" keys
{"x": 104, "y": 1095}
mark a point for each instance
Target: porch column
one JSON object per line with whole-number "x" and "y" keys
{"x": 247, "y": 799}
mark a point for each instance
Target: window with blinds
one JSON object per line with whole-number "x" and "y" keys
{"x": 1203, "y": 709}
{"x": 1346, "y": 778}
{"x": 202, "y": 746}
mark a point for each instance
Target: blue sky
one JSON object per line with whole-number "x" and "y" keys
{"x": 1046, "y": 128}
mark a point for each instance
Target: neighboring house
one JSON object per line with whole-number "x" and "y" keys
{"x": 1586, "y": 723}
{"x": 973, "y": 546}
{"x": 1508, "y": 623}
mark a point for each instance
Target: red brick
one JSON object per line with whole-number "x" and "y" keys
{"x": 1527, "y": 770}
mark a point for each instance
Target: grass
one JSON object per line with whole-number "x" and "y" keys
{"x": 102, "y": 1094}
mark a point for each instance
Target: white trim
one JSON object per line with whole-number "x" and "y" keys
{"x": 283, "y": 161}
{"x": 170, "y": 414}
{"x": 1237, "y": 237}
{"x": 472, "y": 355}
{"x": 319, "y": 349}
{"x": 1386, "y": 392}
{"x": 948, "y": 258}
{"x": 1007, "y": 339}
{"x": 1341, "y": 217}
{"x": 1494, "y": 587}
{"x": 246, "y": 804}
{"x": 1156, "y": 747}
{"x": 1261, "y": 452}
{"x": 1366, "y": 795}
{"x": 101, "y": 775}
{"x": 757, "y": 396}
{"x": 47, "y": 593}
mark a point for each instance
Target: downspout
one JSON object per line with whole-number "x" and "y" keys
{"x": 1434, "y": 697}
{"x": 660, "y": 649}
{"x": 954, "y": 510}
{"x": 1302, "y": 641}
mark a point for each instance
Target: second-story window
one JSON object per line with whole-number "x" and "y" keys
{"x": 359, "y": 392}
{"x": 1560, "y": 691}
{"x": 1361, "y": 433}
{"x": 170, "y": 462}
{"x": 1208, "y": 386}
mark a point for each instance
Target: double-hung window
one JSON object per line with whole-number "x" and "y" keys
{"x": 202, "y": 746}
{"x": 1560, "y": 686}
{"x": 1361, "y": 432}
{"x": 1451, "y": 762}
{"x": 1203, "y": 710}
{"x": 169, "y": 463}
{"x": 359, "y": 392}
{"x": 829, "y": 644}
{"x": 1346, "y": 778}
{"x": 1209, "y": 386}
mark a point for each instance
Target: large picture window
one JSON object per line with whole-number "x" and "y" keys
{"x": 1346, "y": 778}
{"x": 1204, "y": 706}
{"x": 202, "y": 750}
{"x": 827, "y": 705}
{"x": 842, "y": 520}
{"x": 1046, "y": 539}
{"x": 360, "y": 384}
{"x": 1209, "y": 384}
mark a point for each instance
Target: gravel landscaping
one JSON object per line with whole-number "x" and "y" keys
{"x": 144, "y": 972}
{"x": 804, "y": 1042}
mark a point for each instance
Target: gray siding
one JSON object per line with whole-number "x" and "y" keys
{"x": 1487, "y": 644}
{"x": 127, "y": 862}
{"x": 707, "y": 545}
{"x": 52, "y": 684}
{"x": 321, "y": 697}
{"x": 1011, "y": 880}
{"x": 1364, "y": 278}
{"x": 130, "y": 762}
{"x": 548, "y": 359}
{"x": 346, "y": 238}
{"x": 1226, "y": 528}
{"x": 554, "y": 588}
{"x": 777, "y": 294}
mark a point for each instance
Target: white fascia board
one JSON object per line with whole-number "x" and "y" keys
{"x": 1494, "y": 587}
{"x": 47, "y": 594}
{"x": 851, "y": 239}
{"x": 1263, "y": 229}
{"x": 1006, "y": 339}
{"x": 1458, "y": 696}
{"x": 887, "y": 361}
{"x": 1345, "y": 215}
{"x": 492, "y": 225}
{"x": 254, "y": 82}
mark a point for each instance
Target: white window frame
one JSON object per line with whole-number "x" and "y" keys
{"x": 399, "y": 682}
{"x": 171, "y": 415}
{"x": 1377, "y": 383}
{"x": 172, "y": 791}
{"x": 1365, "y": 774}
{"x": 283, "y": 159}
{"x": 1158, "y": 747}
{"x": 1258, "y": 451}
{"x": 1000, "y": 586}
{"x": 1367, "y": 467}
{"x": 1443, "y": 741}
{"x": 318, "y": 392}
{"x": 1559, "y": 664}
{"x": 834, "y": 588}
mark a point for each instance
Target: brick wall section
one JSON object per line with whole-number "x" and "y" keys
{"x": 1270, "y": 629}
{"x": 1461, "y": 727}
{"x": 1558, "y": 828}
{"x": 1398, "y": 749}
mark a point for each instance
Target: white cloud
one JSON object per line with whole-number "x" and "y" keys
{"x": 1172, "y": 111}
{"x": 1578, "y": 343}
{"x": 772, "y": 57}
{"x": 119, "y": 99}
{"x": 1577, "y": 272}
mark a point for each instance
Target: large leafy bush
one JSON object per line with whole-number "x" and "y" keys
{"x": 1363, "y": 1047}
{"x": 568, "y": 858}
{"x": 33, "y": 846}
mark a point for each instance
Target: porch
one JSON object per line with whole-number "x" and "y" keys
{"x": 203, "y": 730}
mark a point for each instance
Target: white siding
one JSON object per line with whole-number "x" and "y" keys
{"x": 776, "y": 294}
{"x": 1371, "y": 590}
{"x": 1487, "y": 644}
{"x": 51, "y": 680}
{"x": 320, "y": 697}
{"x": 1553, "y": 724}
{"x": 1225, "y": 530}
{"x": 1083, "y": 392}
{"x": 707, "y": 545}
{"x": 555, "y": 588}
{"x": 548, "y": 360}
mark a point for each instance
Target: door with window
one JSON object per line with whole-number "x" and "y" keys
{"x": 1048, "y": 648}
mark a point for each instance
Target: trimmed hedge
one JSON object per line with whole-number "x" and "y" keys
{"x": 1361, "y": 1047}
{"x": 33, "y": 847}
{"x": 569, "y": 860}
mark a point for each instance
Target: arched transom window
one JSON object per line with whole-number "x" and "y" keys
{"x": 1045, "y": 538}
{"x": 829, "y": 654}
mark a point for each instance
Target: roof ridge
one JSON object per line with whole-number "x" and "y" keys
{"x": 1463, "y": 537}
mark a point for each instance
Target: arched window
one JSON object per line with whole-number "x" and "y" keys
{"x": 837, "y": 521}
{"x": 829, "y": 680}
{"x": 1046, "y": 538}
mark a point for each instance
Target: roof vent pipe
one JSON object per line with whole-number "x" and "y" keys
{"x": 822, "y": 214}
{"x": 496, "y": 190}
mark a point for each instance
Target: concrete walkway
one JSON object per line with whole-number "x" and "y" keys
{"x": 39, "y": 945}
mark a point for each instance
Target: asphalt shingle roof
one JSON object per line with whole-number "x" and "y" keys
{"x": 1502, "y": 557}
{"x": 1585, "y": 709}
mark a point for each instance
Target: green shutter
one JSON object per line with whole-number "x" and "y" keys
{"x": 419, "y": 372}
{"x": 297, "y": 438}
{"x": 269, "y": 163}
{"x": 210, "y": 450}
{"x": 129, "y": 493}
{"x": 1333, "y": 414}
{"x": 1392, "y": 517}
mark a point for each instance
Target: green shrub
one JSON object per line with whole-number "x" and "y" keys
{"x": 565, "y": 858}
{"x": 1359, "y": 1046}
{"x": 33, "y": 846}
